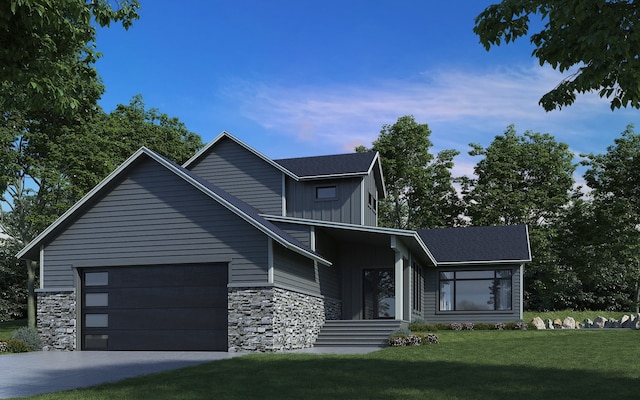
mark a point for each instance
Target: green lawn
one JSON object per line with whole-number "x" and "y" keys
{"x": 7, "y": 327}
{"x": 465, "y": 365}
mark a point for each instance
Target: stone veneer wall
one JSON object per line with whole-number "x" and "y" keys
{"x": 56, "y": 319}
{"x": 273, "y": 319}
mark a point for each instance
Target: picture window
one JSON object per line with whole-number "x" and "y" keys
{"x": 488, "y": 290}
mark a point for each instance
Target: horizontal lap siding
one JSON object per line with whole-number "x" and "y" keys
{"x": 431, "y": 295}
{"x": 295, "y": 271}
{"x": 241, "y": 173}
{"x": 154, "y": 217}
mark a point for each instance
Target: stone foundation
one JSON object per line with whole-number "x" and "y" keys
{"x": 273, "y": 319}
{"x": 332, "y": 309}
{"x": 56, "y": 319}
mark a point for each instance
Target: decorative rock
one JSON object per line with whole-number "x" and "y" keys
{"x": 587, "y": 323}
{"x": 539, "y": 323}
{"x": 569, "y": 323}
{"x": 599, "y": 322}
{"x": 549, "y": 324}
{"x": 557, "y": 323}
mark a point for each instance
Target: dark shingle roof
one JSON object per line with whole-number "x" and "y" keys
{"x": 479, "y": 243}
{"x": 337, "y": 164}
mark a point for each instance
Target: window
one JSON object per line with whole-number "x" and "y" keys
{"x": 326, "y": 192}
{"x": 96, "y": 278}
{"x": 96, "y": 299}
{"x": 488, "y": 290}
{"x": 373, "y": 203}
{"x": 417, "y": 287}
{"x": 96, "y": 320}
{"x": 96, "y": 342}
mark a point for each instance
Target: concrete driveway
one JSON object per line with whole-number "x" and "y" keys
{"x": 28, "y": 374}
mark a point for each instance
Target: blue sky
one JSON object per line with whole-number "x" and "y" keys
{"x": 299, "y": 78}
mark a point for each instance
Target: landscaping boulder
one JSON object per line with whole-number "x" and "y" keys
{"x": 599, "y": 322}
{"x": 539, "y": 323}
{"x": 587, "y": 323}
{"x": 549, "y": 324}
{"x": 557, "y": 323}
{"x": 569, "y": 323}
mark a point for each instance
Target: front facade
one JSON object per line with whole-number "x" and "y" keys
{"x": 235, "y": 251}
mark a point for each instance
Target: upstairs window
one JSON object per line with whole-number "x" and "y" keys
{"x": 373, "y": 203}
{"x": 326, "y": 192}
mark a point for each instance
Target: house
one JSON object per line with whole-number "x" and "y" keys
{"x": 234, "y": 250}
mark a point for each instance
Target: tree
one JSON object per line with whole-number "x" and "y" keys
{"x": 50, "y": 162}
{"x": 615, "y": 180}
{"x": 48, "y": 50}
{"x": 524, "y": 179}
{"x": 419, "y": 186}
{"x": 600, "y": 39}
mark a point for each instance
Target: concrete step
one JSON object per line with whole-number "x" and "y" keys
{"x": 356, "y": 333}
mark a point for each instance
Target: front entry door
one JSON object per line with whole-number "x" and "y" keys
{"x": 379, "y": 292}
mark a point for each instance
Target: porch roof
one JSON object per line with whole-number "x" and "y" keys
{"x": 478, "y": 244}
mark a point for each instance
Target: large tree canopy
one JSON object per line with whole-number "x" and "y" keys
{"x": 420, "y": 192}
{"x": 525, "y": 179}
{"x": 48, "y": 50}
{"x": 615, "y": 180}
{"x": 599, "y": 39}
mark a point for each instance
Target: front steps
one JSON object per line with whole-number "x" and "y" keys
{"x": 356, "y": 333}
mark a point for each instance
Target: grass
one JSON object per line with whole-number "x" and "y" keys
{"x": 7, "y": 327}
{"x": 465, "y": 365}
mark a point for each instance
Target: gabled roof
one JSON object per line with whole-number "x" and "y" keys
{"x": 236, "y": 206}
{"x": 226, "y": 135}
{"x": 331, "y": 165}
{"x": 478, "y": 244}
{"x": 307, "y": 168}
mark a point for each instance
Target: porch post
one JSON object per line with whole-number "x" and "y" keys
{"x": 399, "y": 276}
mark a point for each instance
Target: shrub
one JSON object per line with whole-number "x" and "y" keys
{"x": 467, "y": 326}
{"x": 414, "y": 327}
{"x": 3, "y": 347}
{"x": 17, "y": 346}
{"x": 398, "y": 340}
{"x": 441, "y": 327}
{"x": 28, "y": 335}
{"x": 500, "y": 326}
{"x": 430, "y": 338}
{"x": 483, "y": 326}
{"x": 455, "y": 326}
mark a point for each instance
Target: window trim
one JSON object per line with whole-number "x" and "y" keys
{"x": 495, "y": 271}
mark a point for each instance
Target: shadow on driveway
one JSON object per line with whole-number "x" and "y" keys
{"x": 28, "y": 374}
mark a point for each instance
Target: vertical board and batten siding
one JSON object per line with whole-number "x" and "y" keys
{"x": 346, "y": 207}
{"x": 154, "y": 217}
{"x": 354, "y": 258}
{"x": 370, "y": 214}
{"x": 242, "y": 174}
{"x": 431, "y": 296}
{"x": 329, "y": 276}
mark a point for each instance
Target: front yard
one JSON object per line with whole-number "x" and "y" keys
{"x": 465, "y": 365}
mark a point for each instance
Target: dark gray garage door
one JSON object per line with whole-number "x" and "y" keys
{"x": 175, "y": 307}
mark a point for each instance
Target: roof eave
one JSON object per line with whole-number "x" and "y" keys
{"x": 480, "y": 262}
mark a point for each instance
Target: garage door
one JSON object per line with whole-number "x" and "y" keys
{"x": 176, "y": 307}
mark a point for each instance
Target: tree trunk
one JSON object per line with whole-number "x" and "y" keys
{"x": 637, "y": 299}
{"x": 31, "y": 293}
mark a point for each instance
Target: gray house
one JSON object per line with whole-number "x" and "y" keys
{"x": 235, "y": 251}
